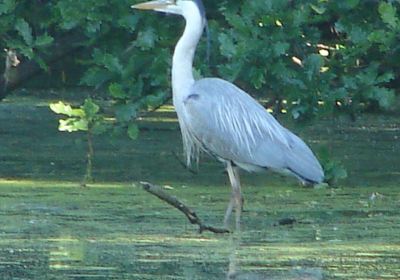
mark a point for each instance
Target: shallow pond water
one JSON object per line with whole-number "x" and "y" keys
{"x": 52, "y": 228}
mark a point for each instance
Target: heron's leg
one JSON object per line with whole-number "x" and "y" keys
{"x": 229, "y": 211}
{"x": 236, "y": 196}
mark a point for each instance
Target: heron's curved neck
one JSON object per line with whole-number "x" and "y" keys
{"x": 182, "y": 63}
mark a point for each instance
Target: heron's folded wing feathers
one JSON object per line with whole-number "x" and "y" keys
{"x": 233, "y": 126}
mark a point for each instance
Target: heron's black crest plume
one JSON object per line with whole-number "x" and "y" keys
{"x": 202, "y": 10}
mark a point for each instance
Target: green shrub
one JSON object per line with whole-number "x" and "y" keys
{"x": 320, "y": 57}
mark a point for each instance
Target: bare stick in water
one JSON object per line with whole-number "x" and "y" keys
{"x": 176, "y": 203}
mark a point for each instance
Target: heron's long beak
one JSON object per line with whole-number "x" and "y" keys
{"x": 158, "y": 5}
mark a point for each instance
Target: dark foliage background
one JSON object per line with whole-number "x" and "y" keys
{"x": 305, "y": 57}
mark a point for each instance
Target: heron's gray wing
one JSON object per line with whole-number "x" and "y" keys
{"x": 230, "y": 124}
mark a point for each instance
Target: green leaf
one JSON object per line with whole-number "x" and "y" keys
{"x": 133, "y": 131}
{"x": 129, "y": 22}
{"x": 110, "y": 61}
{"x": 27, "y": 51}
{"x": 95, "y": 76}
{"x": 146, "y": 39}
{"x": 126, "y": 112}
{"x": 72, "y": 125}
{"x": 93, "y": 27}
{"x": 345, "y": 5}
{"x": 319, "y": 10}
{"x": 65, "y": 109}
{"x": 90, "y": 108}
{"x": 117, "y": 91}
{"x": 231, "y": 71}
{"x": 377, "y": 36}
{"x": 257, "y": 76}
{"x": 280, "y": 48}
{"x": 385, "y": 97}
{"x": 155, "y": 100}
{"x": 313, "y": 64}
{"x": 43, "y": 40}
{"x": 113, "y": 64}
{"x": 227, "y": 47}
{"x": 388, "y": 14}
{"x": 358, "y": 35}
{"x": 7, "y": 6}
{"x": 350, "y": 4}
{"x": 70, "y": 13}
{"x": 385, "y": 77}
{"x": 24, "y": 30}
{"x": 41, "y": 63}
{"x": 61, "y": 108}
{"x": 100, "y": 127}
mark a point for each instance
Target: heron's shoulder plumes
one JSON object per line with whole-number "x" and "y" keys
{"x": 217, "y": 112}
{"x": 232, "y": 103}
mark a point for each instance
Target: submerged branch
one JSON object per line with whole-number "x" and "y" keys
{"x": 175, "y": 202}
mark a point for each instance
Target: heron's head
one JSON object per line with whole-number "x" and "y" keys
{"x": 178, "y": 7}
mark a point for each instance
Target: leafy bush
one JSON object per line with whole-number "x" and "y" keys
{"x": 319, "y": 55}
{"x": 334, "y": 169}
{"x": 309, "y": 56}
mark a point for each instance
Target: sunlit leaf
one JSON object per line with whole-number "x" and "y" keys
{"x": 318, "y": 9}
{"x": 72, "y": 125}
{"x": 65, "y": 109}
{"x": 61, "y": 108}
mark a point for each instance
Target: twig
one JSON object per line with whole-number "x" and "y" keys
{"x": 175, "y": 202}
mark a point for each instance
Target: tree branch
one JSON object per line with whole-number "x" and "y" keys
{"x": 62, "y": 47}
{"x": 176, "y": 203}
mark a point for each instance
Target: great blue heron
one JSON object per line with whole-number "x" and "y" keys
{"x": 219, "y": 118}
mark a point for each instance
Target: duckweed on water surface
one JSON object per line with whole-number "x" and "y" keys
{"x": 52, "y": 228}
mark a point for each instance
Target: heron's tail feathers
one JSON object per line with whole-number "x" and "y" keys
{"x": 302, "y": 162}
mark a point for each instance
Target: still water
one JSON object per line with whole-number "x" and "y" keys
{"x": 52, "y": 228}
